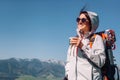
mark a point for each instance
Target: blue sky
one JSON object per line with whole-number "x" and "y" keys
{"x": 41, "y": 28}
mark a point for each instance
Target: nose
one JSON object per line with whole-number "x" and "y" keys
{"x": 80, "y": 22}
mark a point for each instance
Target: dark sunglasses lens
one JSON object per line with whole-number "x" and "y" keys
{"x": 83, "y": 20}
{"x": 78, "y": 19}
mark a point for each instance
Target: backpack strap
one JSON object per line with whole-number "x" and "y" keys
{"x": 92, "y": 38}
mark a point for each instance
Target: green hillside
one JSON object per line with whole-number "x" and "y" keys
{"x": 34, "y": 69}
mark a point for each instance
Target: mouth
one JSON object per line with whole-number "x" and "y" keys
{"x": 80, "y": 26}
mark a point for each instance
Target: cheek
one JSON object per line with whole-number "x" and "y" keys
{"x": 86, "y": 29}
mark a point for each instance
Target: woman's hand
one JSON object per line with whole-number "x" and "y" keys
{"x": 76, "y": 41}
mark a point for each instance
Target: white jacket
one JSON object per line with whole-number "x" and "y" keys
{"x": 78, "y": 67}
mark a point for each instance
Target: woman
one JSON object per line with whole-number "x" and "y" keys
{"x": 84, "y": 61}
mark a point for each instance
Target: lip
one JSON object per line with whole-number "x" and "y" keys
{"x": 80, "y": 25}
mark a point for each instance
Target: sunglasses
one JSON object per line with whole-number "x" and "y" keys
{"x": 83, "y": 20}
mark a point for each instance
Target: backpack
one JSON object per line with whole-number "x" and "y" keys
{"x": 109, "y": 69}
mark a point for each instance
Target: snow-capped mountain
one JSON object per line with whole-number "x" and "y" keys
{"x": 33, "y": 67}
{"x": 54, "y": 61}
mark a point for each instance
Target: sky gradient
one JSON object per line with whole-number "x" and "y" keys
{"x": 41, "y": 28}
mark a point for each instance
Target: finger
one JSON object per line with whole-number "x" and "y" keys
{"x": 73, "y": 42}
{"x": 74, "y": 38}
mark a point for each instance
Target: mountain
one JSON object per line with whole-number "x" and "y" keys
{"x": 54, "y": 61}
{"x": 33, "y": 67}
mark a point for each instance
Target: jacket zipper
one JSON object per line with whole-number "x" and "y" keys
{"x": 76, "y": 61}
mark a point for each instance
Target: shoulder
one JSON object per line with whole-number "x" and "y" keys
{"x": 95, "y": 37}
{"x": 98, "y": 38}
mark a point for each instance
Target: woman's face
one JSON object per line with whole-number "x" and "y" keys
{"x": 83, "y": 23}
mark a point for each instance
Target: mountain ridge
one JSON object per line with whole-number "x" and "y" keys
{"x": 34, "y": 67}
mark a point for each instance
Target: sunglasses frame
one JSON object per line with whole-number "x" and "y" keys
{"x": 82, "y": 19}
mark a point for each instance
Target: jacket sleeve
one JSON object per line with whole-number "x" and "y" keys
{"x": 67, "y": 62}
{"x": 97, "y": 53}
{"x": 70, "y": 63}
{"x": 67, "y": 66}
